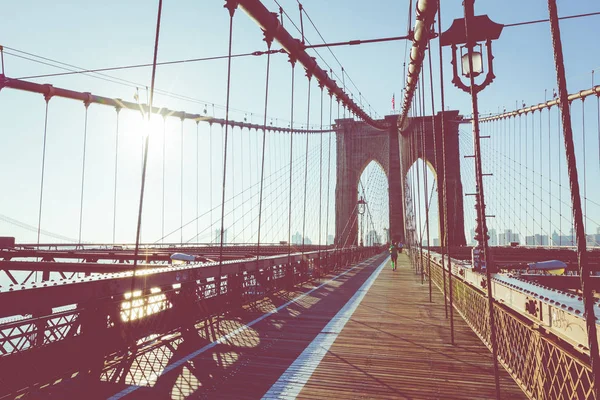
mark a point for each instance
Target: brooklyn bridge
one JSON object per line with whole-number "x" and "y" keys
{"x": 219, "y": 200}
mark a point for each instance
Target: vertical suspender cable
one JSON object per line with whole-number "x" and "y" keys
{"x": 320, "y": 177}
{"x": 541, "y": 188}
{"x": 424, "y": 164}
{"x": 264, "y": 140}
{"x": 116, "y": 175}
{"x": 513, "y": 172}
{"x": 533, "y": 216}
{"x": 47, "y": 98}
{"x": 521, "y": 137}
{"x": 181, "y": 186}
{"x": 233, "y": 194}
{"x": 418, "y": 205}
{"x": 2, "y": 58}
{"x": 231, "y": 6}
{"x": 526, "y": 162}
{"x": 328, "y": 171}
{"x": 435, "y": 154}
{"x": 584, "y": 161}
{"x": 415, "y": 203}
{"x": 243, "y": 240}
{"x": 164, "y": 145}
{"x": 210, "y": 155}
{"x": 445, "y": 188}
{"x": 309, "y": 76}
{"x": 551, "y": 237}
{"x": 83, "y": 171}
{"x": 197, "y": 180}
{"x": 584, "y": 272}
{"x": 293, "y": 62}
{"x": 147, "y": 139}
{"x": 597, "y": 117}
{"x": 559, "y": 184}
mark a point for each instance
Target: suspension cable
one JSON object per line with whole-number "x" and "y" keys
{"x": 231, "y": 6}
{"x": 309, "y": 76}
{"x": 424, "y": 164}
{"x": 197, "y": 177}
{"x": 320, "y": 175}
{"x": 39, "y": 227}
{"x": 83, "y": 171}
{"x": 264, "y": 140}
{"x": 147, "y": 139}
{"x": 116, "y": 176}
{"x": 445, "y": 189}
{"x": 328, "y": 173}
{"x": 584, "y": 272}
{"x": 181, "y": 185}
{"x": 293, "y": 63}
{"x": 435, "y": 154}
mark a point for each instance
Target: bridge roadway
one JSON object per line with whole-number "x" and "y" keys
{"x": 363, "y": 332}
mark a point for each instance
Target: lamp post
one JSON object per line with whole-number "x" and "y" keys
{"x": 361, "y": 207}
{"x": 466, "y": 33}
{"x": 463, "y": 37}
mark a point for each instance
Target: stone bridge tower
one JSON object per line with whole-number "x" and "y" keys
{"x": 358, "y": 144}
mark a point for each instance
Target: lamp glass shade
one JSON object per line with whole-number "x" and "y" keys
{"x": 477, "y": 64}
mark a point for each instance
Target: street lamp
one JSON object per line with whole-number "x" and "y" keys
{"x": 481, "y": 29}
{"x": 361, "y": 207}
{"x": 469, "y": 31}
{"x": 466, "y": 33}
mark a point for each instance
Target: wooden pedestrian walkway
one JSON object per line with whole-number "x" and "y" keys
{"x": 364, "y": 332}
{"x": 396, "y": 344}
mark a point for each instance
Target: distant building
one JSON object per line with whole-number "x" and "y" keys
{"x": 563, "y": 240}
{"x": 330, "y": 239}
{"x": 218, "y": 236}
{"x": 506, "y": 238}
{"x": 297, "y": 238}
{"x": 536, "y": 240}
{"x": 372, "y": 238}
{"x": 436, "y": 241}
{"x": 493, "y": 241}
{"x": 472, "y": 238}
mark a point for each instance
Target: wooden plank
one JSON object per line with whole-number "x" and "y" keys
{"x": 397, "y": 345}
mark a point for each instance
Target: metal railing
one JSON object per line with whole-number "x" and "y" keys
{"x": 544, "y": 366}
{"x": 49, "y": 328}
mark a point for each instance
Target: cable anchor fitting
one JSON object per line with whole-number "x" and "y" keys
{"x": 231, "y": 5}
{"x": 49, "y": 92}
{"x": 88, "y": 99}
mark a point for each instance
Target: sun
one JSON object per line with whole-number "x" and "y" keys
{"x": 151, "y": 126}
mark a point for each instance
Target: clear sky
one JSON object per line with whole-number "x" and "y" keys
{"x": 111, "y": 33}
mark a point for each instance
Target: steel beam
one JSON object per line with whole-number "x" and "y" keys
{"x": 87, "y": 98}
{"x": 426, "y": 10}
{"x": 272, "y": 28}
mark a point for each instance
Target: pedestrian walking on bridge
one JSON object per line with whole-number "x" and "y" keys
{"x": 394, "y": 254}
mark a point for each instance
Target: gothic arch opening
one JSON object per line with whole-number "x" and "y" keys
{"x": 422, "y": 203}
{"x": 373, "y": 223}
